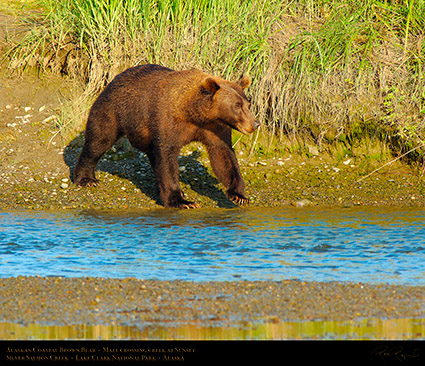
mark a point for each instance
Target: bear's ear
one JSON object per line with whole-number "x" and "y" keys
{"x": 244, "y": 81}
{"x": 210, "y": 85}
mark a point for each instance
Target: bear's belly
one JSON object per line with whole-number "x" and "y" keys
{"x": 140, "y": 138}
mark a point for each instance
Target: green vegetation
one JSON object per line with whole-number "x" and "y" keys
{"x": 325, "y": 73}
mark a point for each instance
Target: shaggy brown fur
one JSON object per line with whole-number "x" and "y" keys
{"x": 160, "y": 111}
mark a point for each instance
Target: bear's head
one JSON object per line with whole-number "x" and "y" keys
{"x": 230, "y": 104}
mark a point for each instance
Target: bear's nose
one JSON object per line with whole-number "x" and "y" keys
{"x": 256, "y": 124}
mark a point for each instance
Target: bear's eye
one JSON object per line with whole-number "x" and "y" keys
{"x": 238, "y": 105}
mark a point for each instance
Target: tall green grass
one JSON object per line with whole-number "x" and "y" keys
{"x": 359, "y": 65}
{"x": 323, "y": 71}
{"x": 224, "y": 36}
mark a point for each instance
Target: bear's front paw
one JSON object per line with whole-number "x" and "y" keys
{"x": 87, "y": 182}
{"x": 240, "y": 199}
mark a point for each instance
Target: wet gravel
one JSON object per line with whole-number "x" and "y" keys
{"x": 141, "y": 303}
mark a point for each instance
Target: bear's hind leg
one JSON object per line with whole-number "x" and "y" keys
{"x": 97, "y": 142}
{"x": 84, "y": 170}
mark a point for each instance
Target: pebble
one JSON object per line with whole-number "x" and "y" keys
{"x": 64, "y": 185}
{"x": 302, "y": 203}
{"x": 346, "y": 162}
{"x": 48, "y": 119}
{"x": 313, "y": 150}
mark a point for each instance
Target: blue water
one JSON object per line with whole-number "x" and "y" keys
{"x": 356, "y": 245}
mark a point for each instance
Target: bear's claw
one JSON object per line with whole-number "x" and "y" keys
{"x": 190, "y": 205}
{"x": 87, "y": 182}
{"x": 239, "y": 199}
{"x": 180, "y": 202}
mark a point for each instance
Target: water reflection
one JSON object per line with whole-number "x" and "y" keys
{"x": 362, "y": 329}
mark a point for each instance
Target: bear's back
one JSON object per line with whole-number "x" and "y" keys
{"x": 152, "y": 83}
{"x": 133, "y": 76}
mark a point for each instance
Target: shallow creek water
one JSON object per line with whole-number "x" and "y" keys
{"x": 370, "y": 245}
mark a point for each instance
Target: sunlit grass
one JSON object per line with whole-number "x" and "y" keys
{"x": 324, "y": 71}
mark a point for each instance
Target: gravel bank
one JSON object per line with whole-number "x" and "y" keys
{"x": 133, "y": 302}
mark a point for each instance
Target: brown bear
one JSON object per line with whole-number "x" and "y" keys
{"x": 160, "y": 110}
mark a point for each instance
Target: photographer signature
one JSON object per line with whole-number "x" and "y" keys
{"x": 399, "y": 353}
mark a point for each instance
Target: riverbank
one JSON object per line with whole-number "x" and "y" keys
{"x": 143, "y": 304}
{"x": 36, "y": 167}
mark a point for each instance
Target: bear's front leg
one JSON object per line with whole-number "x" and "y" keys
{"x": 165, "y": 167}
{"x": 226, "y": 168}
